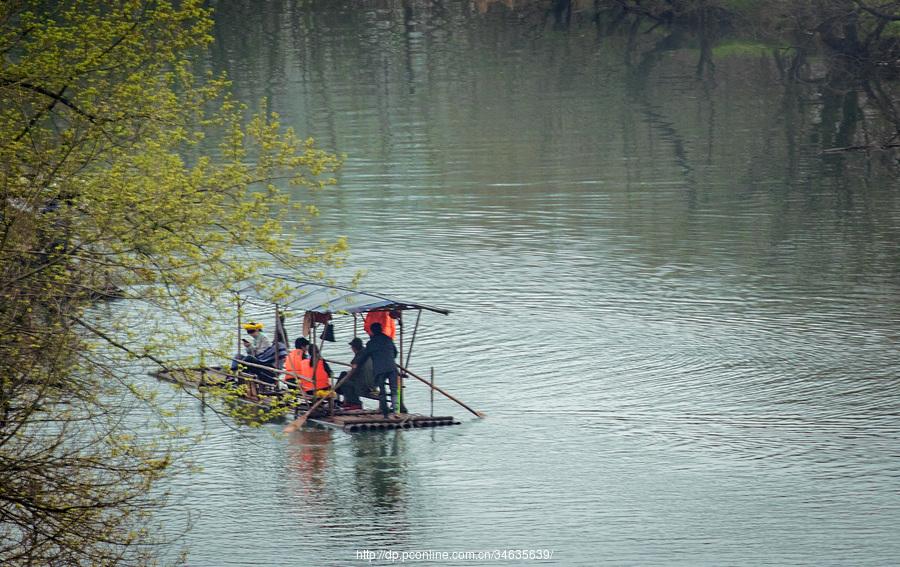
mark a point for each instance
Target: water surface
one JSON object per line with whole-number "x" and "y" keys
{"x": 680, "y": 316}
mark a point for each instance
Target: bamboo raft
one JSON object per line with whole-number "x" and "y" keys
{"x": 350, "y": 421}
{"x": 319, "y": 302}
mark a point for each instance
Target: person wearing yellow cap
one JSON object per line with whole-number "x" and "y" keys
{"x": 259, "y": 341}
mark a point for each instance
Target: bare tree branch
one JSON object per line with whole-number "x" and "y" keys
{"x": 878, "y": 12}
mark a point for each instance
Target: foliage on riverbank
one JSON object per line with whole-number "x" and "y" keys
{"x": 862, "y": 30}
{"x": 121, "y": 162}
{"x": 844, "y": 54}
{"x": 847, "y": 28}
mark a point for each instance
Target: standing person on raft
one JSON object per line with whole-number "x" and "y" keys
{"x": 382, "y": 351}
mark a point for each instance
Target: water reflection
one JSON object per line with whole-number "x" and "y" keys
{"x": 377, "y": 480}
{"x": 380, "y": 473}
{"x": 309, "y": 454}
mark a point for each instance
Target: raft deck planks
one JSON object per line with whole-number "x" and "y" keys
{"x": 372, "y": 420}
{"x": 209, "y": 376}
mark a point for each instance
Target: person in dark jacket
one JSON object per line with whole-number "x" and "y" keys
{"x": 361, "y": 380}
{"x": 382, "y": 351}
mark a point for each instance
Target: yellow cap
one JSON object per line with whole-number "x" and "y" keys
{"x": 251, "y": 326}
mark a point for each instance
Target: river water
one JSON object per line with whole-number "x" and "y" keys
{"x": 680, "y": 317}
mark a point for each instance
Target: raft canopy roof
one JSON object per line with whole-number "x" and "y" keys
{"x": 332, "y": 299}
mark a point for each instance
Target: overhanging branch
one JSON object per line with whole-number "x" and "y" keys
{"x": 49, "y": 94}
{"x": 877, "y": 12}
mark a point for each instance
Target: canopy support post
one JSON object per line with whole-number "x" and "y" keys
{"x": 239, "y": 336}
{"x": 278, "y": 337}
{"x": 314, "y": 360}
{"x": 413, "y": 340}
{"x": 400, "y": 403}
{"x": 279, "y": 327}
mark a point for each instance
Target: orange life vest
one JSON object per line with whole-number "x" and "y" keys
{"x": 306, "y": 374}
{"x": 292, "y": 364}
{"x": 388, "y": 327}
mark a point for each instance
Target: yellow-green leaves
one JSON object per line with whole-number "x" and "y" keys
{"x": 123, "y": 167}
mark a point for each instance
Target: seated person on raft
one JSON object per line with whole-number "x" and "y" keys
{"x": 299, "y": 367}
{"x": 361, "y": 379}
{"x": 292, "y": 362}
{"x": 260, "y": 352}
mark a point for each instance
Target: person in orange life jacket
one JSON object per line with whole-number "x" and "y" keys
{"x": 360, "y": 379}
{"x": 383, "y": 318}
{"x": 292, "y": 363}
{"x": 382, "y": 351}
{"x": 322, "y": 371}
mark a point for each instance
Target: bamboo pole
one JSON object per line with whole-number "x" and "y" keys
{"x": 298, "y": 423}
{"x": 436, "y": 389}
{"x": 262, "y": 366}
{"x": 254, "y": 380}
{"x": 427, "y": 383}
